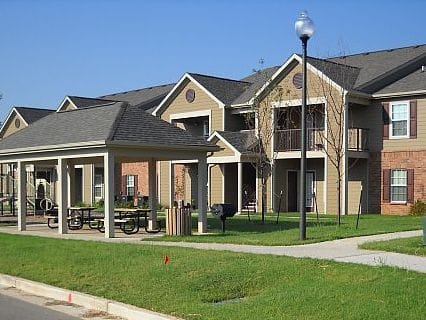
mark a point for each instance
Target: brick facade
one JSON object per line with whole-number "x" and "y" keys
{"x": 399, "y": 160}
{"x": 139, "y": 169}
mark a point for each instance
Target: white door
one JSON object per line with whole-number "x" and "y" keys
{"x": 310, "y": 189}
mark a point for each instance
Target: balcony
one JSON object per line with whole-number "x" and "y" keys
{"x": 290, "y": 139}
{"x": 357, "y": 139}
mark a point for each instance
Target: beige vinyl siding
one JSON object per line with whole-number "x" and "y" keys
{"x": 164, "y": 184}
{"x": 216, "y": 184}
{"x": 87, "y": 184}
{"x": 202, "y": 102}
{"x": 358, "y": 174}
{"x": 10, "y": 127}
{"x": 226, "y": 152}
{"x": 407, "y": 144}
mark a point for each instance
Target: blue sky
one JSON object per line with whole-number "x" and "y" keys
{"x": 49, "y": 49}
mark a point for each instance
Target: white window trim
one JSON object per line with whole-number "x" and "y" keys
{"x": 391, "y": 136}
{"x": 130, "y": 185}
{"x": 397, "y": 185}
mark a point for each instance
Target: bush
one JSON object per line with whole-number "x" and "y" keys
{"x": 418, "y": 208}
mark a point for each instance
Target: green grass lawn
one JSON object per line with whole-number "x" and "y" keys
{"x": 240, "y": 231}
{"x": 413, "y": 246}
{"x": 200, "y": 284}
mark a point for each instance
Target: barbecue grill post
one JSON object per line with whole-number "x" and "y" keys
{"x": 202, "y": 195}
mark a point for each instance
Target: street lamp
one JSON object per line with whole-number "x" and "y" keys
{"x": 304, "y": 29}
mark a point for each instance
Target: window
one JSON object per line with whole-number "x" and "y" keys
{"x": 99, "y": 186}
{"x": 399, "y": 185}
{"x": 130, "y": 185}
{"x": 399, "y": 114}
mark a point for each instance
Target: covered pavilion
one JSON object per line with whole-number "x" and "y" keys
{"x": 108, "y": 134}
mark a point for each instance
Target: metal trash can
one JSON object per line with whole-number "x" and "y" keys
{"x": 178, "y": 221}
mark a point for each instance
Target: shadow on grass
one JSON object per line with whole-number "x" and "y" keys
{"x": 241, "y": 224}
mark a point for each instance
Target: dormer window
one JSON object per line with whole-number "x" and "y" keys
{"x": 206, "y": 128}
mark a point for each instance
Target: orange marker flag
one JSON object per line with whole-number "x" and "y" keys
{"x": 166, "y": 259}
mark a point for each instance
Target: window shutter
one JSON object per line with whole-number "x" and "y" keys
{"x": 386, "y": 120}
{"x": 413, "y": 119}
{"x": 410, "y": 185}
{"x": 136, "y": 186}
{"x": 386, "y": 185}
{"x": 123, "y": 185}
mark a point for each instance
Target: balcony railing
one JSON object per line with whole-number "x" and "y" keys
{"x": 358, "y": 139}
{"x": 290, "y": 139}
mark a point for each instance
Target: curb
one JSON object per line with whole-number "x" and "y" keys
{"x": 82, "y": 299}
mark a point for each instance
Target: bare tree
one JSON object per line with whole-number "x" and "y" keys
{"x": 334, "y": 136}
{"x": 262, "y": 119}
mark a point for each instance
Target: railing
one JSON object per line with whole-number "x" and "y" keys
{"x": 290, "y": 139}
{"x": 358, "y": 139}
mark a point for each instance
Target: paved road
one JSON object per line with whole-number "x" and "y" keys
{"x": 15, "y": 309}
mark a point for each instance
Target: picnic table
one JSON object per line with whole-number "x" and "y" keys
{"x": 77, "y": 216}
{"x": 129, "y": 220}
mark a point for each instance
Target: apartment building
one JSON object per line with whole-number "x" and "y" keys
{"x": 380, "y": 97}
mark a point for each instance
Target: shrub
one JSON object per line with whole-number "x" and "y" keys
{"x": 418, "y": 208}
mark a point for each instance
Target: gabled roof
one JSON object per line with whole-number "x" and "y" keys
{"x": 226, "y": 90}
{"x": 31, "y": 115}
{"x": 117, "y": 122}
{"x": 85, "y": 102}
{"x": 145, "y": 97}
{"x": 27, "y": 114}
{"x": 257, "y": 80}
{"x": 244, "y": 142}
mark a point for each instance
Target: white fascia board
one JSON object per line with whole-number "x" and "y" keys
{"x": 176, "y": 87}
{"x": 50, "y": 148}
{"x": 298, "y": 102}
{"x": 398, "y": 94}
{"x": 9, "y": 116}
{"x": 191, "y": 114}
{"x": 311, "y": 68}
{"x": 227, "y": 159}
{"x": 137, "y": 145}
{"x": 217, "y": 135}
{"x": 67, "y": 98}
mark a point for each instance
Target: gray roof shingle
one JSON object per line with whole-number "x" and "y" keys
{"x": 257, "y": 80}
{"x": 146, "y": 97}
{"x": 375, "y": 64}
{"x": 85, "y": 102}
{"x": 31, "y": 115}
{"x": 244, "y": 141}
{"x": 117, "y": 121}
{"x": 412, "y": 82}
{"x": 226, "y": 90}
{"x": 137, "y": 126}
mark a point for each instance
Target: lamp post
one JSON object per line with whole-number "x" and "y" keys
{"x": 304, "y": 29}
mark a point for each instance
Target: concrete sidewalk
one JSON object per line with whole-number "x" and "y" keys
{"x": 343, "y": 250}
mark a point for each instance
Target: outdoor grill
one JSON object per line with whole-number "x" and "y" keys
{"x": 223, "y": 211}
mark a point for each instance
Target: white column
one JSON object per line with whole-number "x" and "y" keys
{"x": 109, "y": 194}
{"x": 240, "y": 186}
{"x": 22, "y": 196}
{"x": 171, "y": 184}
{"x": 152, "y": 189}
{"x": 71, "y": 184}
{"x": 202, "y": 195}
{"x": 62, "y": 195}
